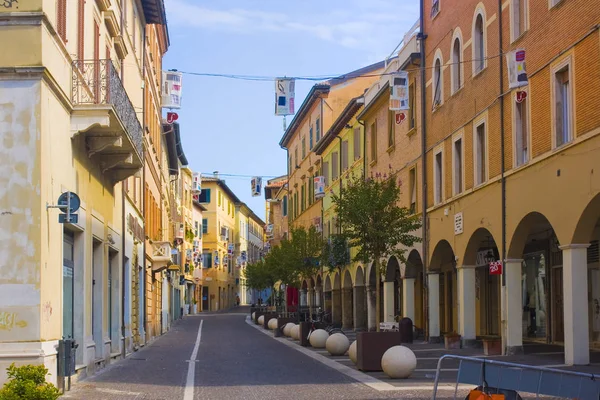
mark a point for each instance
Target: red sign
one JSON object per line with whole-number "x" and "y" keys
{"x": 400, "y": 117}
{"x": 172, "y": 117}
{"x": 521, "y": 96}
{"x": 496, "y": 268}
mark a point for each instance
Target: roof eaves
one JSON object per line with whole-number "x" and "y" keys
{"x": 315, "y": 92}
{"x": 377, "y": 97}
{"x": 351, "y": 108}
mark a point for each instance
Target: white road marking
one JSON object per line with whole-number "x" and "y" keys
{"x": 188, "y": 394}
{"x": 119, "y": 392}
{"x": 355, "y": 374}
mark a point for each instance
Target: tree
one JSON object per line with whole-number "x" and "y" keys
{"x": 307, "y": 246}
{"x": 374, "y": 223}
{"x": 259, "y": 276}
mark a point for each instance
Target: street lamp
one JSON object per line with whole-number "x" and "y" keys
{"x": 489, "y": 257}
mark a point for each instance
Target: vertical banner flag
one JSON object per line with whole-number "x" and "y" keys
{"x": 319, "y": 187}
{"x": 399, "y": 91}
{"x": 171, "y": 96}
{"x": 517, "y": 76}
{"x": 256, "y": 186}
{"x": 230, "y": 248}
{"x": 284, "y": 96}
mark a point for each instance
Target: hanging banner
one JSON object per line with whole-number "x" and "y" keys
{"x": 496, "y": 268}
{"x": 230, "y": 248}
{"x": 319, "y": 187}
{"x": 171, "y": 96}
{"x": 517, "y": 75}
{"x": 244, "y": 256}
{"x": 284, "y": 96}
{"x": 256, "y": 186}
{"x": 399, "y": 91}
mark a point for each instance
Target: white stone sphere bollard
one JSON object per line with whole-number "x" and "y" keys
{"x": 272, "y": 324}
{"x": 318, "y": 338}
{"x": 253, "y": 315}
{"x": 287, "y": 329}
{"x": 398, "y": 362}
{"x": 337, "y": 344}
{"x": 261, "y": 320}
{"x": 352, "y": 352}
{"x": 295, "y": 332}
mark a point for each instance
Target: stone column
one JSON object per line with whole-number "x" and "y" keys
{"x": 433, "y": 283}
{"x": 575, "y": 303}
{"x": 408, "y": 298}
{"x": 466, "y": 302}
{"x": 318, "y": 296}
{"x": 388, "y": 302}
{"x": 347, "y": 312}
{"x": 360, "y": 315}
{"x": 371, "y": 305}
{"x": 336, "y": 314}
{"x": 513, "y": 305}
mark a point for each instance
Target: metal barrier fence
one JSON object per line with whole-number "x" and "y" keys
{"x": 504, "y": 377}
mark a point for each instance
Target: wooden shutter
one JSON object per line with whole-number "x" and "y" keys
{"x": 61, "y": 19}
{"x": 97, "y": 62}
{"x": 326, "y": 173}
{"x": 356, "y": 143}
{"x": 334, "y": 165}
{"x": 81, "y": 31}
{"x": 344, "y": 155}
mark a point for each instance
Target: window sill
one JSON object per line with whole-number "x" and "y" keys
{"x": 411, "y": 131}
{"x": 372, "y": 163}
{"x": 478, "y": 73}
{"x": 457, "y": 91}
{"x": 391, "y": 148}
{"x": 520, "y": 37}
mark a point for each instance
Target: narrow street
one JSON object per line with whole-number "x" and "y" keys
{"x": 235, "y": 361}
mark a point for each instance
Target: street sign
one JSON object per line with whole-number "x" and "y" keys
{"x": 68, "y": 218}
{"x": 69, "y": 199}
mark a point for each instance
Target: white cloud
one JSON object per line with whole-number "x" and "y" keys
{"x": 362, "y": 25}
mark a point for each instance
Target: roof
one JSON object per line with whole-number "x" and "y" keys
{"x": 252, "y": 215}
{"x": 384, "y": 89}
{"x": 351, "y": 109}
{"x": 274, "y": 185}
{"x": 154, "y": 12}
{"x": 180, "y": 153}
{"x": 171, "y": 143}
{"x": 315, "y": 93}
{"x": 200, "y": 206}
{"x": 223, "y": 186}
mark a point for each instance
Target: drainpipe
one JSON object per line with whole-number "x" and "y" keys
{"x": 143, "y": 297}
{"x": 123, "y": 262}
{"x": 502, "y": 136}
{"x": 340, "y": 178}
{"x": 422, "y": 36}
{"x": 364, "y": 148}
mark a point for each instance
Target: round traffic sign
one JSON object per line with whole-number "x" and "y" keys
{"x": 74, "y": 204}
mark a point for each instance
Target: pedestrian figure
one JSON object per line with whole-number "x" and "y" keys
{"x": 237, "y": 300}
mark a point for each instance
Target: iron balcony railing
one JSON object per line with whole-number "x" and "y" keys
{"x": 97, "y": 82}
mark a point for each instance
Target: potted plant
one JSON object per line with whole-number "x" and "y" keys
{"x": 492, "y": 345}
{"x": 452, "y": 341}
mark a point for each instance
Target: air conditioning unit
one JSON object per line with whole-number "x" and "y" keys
{"x": 224, "y": 233}
{"x": 196, "y": 183}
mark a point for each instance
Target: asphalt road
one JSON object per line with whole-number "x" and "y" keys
{"x": 234, "y": 361}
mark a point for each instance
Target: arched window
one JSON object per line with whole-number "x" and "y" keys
{"x": 456, "y": 65}
{"x": 438, "y": 82}
{"x": 479, "y": 44}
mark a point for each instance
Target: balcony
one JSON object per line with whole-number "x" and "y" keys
{"x": 161, "y": 255}
{"x": 104, "y": 115}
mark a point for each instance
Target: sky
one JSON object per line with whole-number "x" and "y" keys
{"x": 229, "y": 125}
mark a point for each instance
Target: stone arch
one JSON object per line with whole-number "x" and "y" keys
{"x": 328, "y": 283}
{"x": 372, "y": 275}
{"x": 529, "y": 224}
{"x": 414, "y": 265}
{"x": 347, "y": 282}
{"x": 481, "y": 238}
{"x": 587, "y": 222}
{"x": 311, "y": 284}
{"x": 359, "y": 277}
{"x": 442, "y": 256}
{"x": 304, "y": 285}
{"x": 337, "y": 281}
{"x": 319, "y": 281}
{"x": 392, "y": 269}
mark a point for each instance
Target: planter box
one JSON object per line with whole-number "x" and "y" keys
{"x": 492, "y": 346}
{"x": 452, "y": 342}
{"x": 370, "y": 347}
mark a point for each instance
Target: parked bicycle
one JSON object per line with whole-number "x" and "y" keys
{"x": 323, "y": 321}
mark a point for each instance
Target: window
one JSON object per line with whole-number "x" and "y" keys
{"x": 311, "y": 190}
{"x": 303, "y": 147}
{"x": 344, "y": 155}
{"x": 318, "y": 128}
{"x": 61, "y": 19}
{"x": 296, "y": 209}
{"x": 207, "y": 260}
{"x": 310, "y": 137}
{"x": 285, "y": 206}
{"x": 302, "y": 197}
{"x": 374, "y": 141}
{"x": 412, "y": 113}
{"x": 334, "y": 166}
{"x": 204, "y": 196}
{"x": 521, "y": 133}
{"x": 456, "y": 65}
{"x": 296, "y": 157}
{"x": 196, "y": 229}
{"x": 291, "y": 206}
{"x": 519, "y": 18}
{"x": 554, "y": 2}
{"x": 478, "y": 44}
{"x": 412, "y": 177}
{"x": 356, "y": 144}
{"x": 391, "y": 127}
{"x": 435, "y": 8}
{"x": 291, "y": 165}
{"x": 219, "y": 199}
{"x": 81, "y": 30}
{"x": 438, "y": 175}
{"x": 562, "y": 104}
{"x": 480, "y": 154}
{"x": 457, "y": 166}
{"x": 326, "y": 172}
{"x": 438, "y": 83}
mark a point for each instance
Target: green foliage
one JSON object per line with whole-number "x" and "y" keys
{"x": 28, "y": 383}
{"x": 338, "y": 254}
{"x": 373, "y": 221}
{"x": 308, "y": 245}
{"x": 258, "y": 276}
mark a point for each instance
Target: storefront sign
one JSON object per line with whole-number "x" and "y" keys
{"x": 496, "y": 268}
{"x": 458, "y": 223}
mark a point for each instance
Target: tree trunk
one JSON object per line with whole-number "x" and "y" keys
{"x": 377, "y": 294}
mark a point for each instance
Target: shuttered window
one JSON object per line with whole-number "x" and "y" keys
{"x": 356, "y": 143}
{"x": 61, "y": 19}
{"x": 334, "y": 166}
{"x": 81, "y": 30}
{"x": 344, "y": 155}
